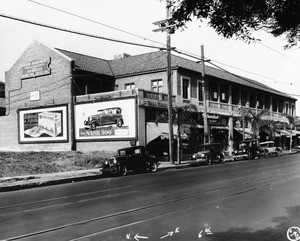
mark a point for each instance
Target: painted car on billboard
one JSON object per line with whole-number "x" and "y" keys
{"x": 104, "y": 117}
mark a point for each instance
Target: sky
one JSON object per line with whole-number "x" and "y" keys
{"x": 265, "y": 61}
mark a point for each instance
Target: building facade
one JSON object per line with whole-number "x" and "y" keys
{"x": 60, "y": 100}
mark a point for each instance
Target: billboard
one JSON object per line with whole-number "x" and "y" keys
{"x": 115, "y": 119}
{"x": 47, "y": 124}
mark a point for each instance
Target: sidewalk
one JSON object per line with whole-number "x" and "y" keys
{"x": 38, "y": 180}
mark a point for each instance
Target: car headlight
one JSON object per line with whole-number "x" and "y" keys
{"x": 244, "y": 150}
{"x": 106, "y": 162}
{"x": 194, "y": 156}
{"x": 202, "y": 155}
{"x": 114, "y": 160}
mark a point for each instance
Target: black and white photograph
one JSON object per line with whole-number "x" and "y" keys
{"x": 149, "y": 120}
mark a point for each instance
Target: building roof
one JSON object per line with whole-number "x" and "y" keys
{"x": 89, "y": 63}
{"x": 155, "y": 62}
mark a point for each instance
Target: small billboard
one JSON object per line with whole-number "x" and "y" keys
{"x": 47, "y": 124}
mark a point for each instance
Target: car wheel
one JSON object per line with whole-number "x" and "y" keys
{"x": 122, "y": 170}
{"x": 93, "y": 126}
{"x": 208, "y": 161}
{"x": 221, "y": 159}
{"x": 119, "y": 123}
{"x": 249, "y": 156}
{"x": 266, "y": 153}
{"x": 278, "y": 153}
{"x": 153, "y": 167}
{"x": 105, "y": 174}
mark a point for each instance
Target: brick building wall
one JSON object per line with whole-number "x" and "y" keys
{"x": 54, "y": 89}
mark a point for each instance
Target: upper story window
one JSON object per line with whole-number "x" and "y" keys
{"x": 157, "y": 85}
{"x": 129, "y": 86}
{"x": 199, "y": 90}
{"x": 185, "y": 88}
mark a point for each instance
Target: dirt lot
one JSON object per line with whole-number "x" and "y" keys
{"x": 25, "y": 163}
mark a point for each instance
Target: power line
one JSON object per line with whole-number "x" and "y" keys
{"x": 122, "y": 41}
{"x": 238, "y": 76}
{"x": 277, "y": 51}
{"x": 99, "y": 23}
{"x": 77, "y": 32}
{"x": 106, "y": 25}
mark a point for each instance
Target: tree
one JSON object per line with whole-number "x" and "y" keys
{"x": 181, "y": 116}
{"x": 255, "y": 118}
{"x": 240, "y": 18}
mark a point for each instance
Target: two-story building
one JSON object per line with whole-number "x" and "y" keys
{"x": 61, "y": 100}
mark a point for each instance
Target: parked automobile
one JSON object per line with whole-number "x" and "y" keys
{"x": 133, "y": 158}
{"x": 106, "y": 116}
{"x": 268, "y": 148}
{"x": 208, "y": 154}
{"x": 248, "y": 149}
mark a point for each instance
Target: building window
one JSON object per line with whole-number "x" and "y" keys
{"x": 185, "y": 88}
{"x": 157, "y": 85}
{"x": 292, "y": 109}
{"x": 129, "y": 86}
{"x": 200, "y": 85}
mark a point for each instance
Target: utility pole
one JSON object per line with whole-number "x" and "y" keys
{"x": 204, "y": 86}
{"x": 164, "y": 25}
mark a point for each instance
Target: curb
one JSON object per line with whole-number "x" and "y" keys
{"x": 33, "y": 182}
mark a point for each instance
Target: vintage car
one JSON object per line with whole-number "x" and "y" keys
{"x": 248, "y": 149}
{"x": 106, "y": 116}
{"x": 128, "y": 159}
{"x": 268, "y": 148}
{"x": 208, "y": 154}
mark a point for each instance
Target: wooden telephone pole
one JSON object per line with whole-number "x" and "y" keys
{"x": 204, "y": 87}
{"x": 165, "y": 25}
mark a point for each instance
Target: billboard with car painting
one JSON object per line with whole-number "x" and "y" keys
{"x": 113, "y": 119}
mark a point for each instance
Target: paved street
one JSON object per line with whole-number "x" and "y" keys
{"x": 245, "y": 200}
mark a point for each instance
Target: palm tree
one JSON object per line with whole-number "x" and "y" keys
{"x": 181, "y": 116}
{"x": 255, "y": 118}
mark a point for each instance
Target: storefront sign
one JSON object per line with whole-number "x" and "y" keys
{"x": 43, "y": 125}
{"x": 213, "y": 119}
{"x": 35, "y": 68}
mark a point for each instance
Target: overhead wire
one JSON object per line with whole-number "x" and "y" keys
{"x": 77, "y": 32}
{"x": 127, "y": 32}
{"x": 121, "y": 41}
{"x": 97, "y": 22}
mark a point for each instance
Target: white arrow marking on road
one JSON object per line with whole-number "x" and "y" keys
{"x": 136, "y": 237}
{"x": 169, "y": 234}
{"x": 177, "y": 230}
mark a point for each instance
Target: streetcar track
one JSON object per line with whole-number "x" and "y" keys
{"x": 66, "y": 204}
{"x": 133, "y": 191}
{"x": 185, "y": 209}
{"x": 61, "y": 198}
{"x": 113, "y": 215}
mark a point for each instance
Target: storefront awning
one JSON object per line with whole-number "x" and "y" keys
{"x": 248, "y": 134}
{"x": 161, "y": 130}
